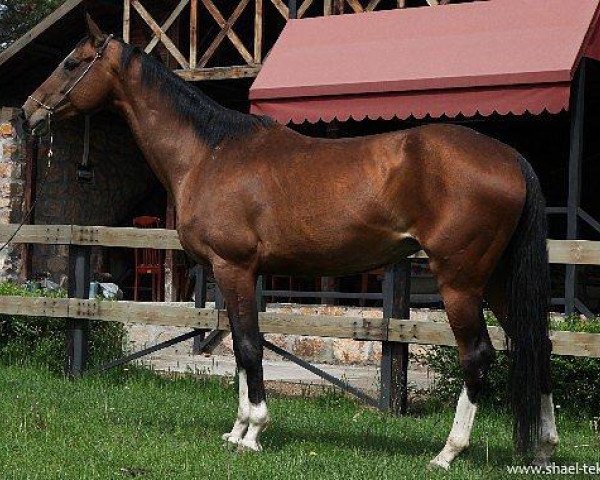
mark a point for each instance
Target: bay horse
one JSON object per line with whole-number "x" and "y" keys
{"x": 254, "y": 197}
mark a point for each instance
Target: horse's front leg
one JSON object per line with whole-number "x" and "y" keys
{"x": 238, "y": 287}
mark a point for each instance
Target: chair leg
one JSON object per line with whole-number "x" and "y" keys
{"x": 135, "y": 286}
{"x": 153, "y": 277}
{"x": 161, "y": 286}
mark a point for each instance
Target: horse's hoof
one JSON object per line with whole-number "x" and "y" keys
{"x": 437, "y": 463}
{"x": 540, "y": 462}
{"x": 249, "y": 446}
{"x": 231, "y": 441}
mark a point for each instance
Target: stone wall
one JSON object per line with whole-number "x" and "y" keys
{"x": 313, "y": 349}
{"x": 12, "y": 172}
{"x": 121, "y": 180}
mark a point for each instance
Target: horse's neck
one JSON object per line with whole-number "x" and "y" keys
{"x": 169, "y": 145}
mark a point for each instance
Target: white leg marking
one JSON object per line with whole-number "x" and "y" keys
{"x": 241, "y": 423}
{"x": 259, "y": 417}
{"x": 460, "y": 434}
{"x": 548, "y": 433}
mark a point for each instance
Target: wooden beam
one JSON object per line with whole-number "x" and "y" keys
{"x": 34, "y": 306}
{"x": 37, "y": 234}
{"x": 126, "y": 20}
{"x": 226, "y": 30}
{"x": 144, "y": 312}
{"x": 31, "y": 159}
{"x": 193, "y": 33}
{"x": 164, "y": 38}
{"x": 372, "y": 5}
{"x": 168, "y": 22}
{"x": 219, "y": 73}
{"x": 304, "y": 7}
{"x": 424, "y": 332}
{"x": 282, "y": 8}
{"x": 577, "y": 252}
{"x": 40, "y": 28}
{"x": 258, "y": 31}
{"x": 356, "y": 6}
{"x": 156, "y": 238}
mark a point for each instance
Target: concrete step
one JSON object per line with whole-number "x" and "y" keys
{"x": 363, "y": 376}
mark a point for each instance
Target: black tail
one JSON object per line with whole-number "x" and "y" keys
{"x": 528, "y": 292}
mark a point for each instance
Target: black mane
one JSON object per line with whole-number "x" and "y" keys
{"x": 213, "y": 122}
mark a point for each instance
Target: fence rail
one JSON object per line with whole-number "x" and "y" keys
{"x": 424, "y": 332}
{"x": 575, "y": 252}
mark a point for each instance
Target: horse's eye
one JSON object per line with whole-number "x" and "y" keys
{"x": 71, "y": 63}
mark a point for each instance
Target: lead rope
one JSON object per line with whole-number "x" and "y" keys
{"x": 49, "y": 156}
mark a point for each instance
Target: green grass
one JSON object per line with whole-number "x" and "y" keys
{"x": 139, "y": 424}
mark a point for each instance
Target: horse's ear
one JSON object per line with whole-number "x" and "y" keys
{"x": 93, "y": 30}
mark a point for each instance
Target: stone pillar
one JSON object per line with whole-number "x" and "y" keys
{"x": 11, "y": 190}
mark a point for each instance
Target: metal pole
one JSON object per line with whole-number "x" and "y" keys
{"x": 79, "y": 286}
{"x": 219, "y": 300}
{"x": 575, "y": 158}
{"x": 394, "y": 355}
{"x": 261, "y": 305}
{"x": 321, "y": 373}
{"x": 155, "y": 348}
{"x": 199, "y": 273}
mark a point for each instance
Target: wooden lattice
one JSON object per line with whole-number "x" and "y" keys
{"x": 194, "y": 68}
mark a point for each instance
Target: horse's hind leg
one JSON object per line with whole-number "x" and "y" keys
{"x": 496, "y": 297}
{"x": 238, "y": 287}
{"x": 476, "y": 352}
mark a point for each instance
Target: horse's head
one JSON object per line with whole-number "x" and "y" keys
{"x": 81, "y": 83}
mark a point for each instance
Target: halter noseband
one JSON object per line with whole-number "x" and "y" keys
{"x": 67, "y": 92}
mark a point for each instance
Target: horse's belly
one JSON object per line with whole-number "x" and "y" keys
{"x": 334, "y": 254}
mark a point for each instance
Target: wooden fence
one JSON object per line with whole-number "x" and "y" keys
{"x": 396, "y": 330}
{"x": 423, "y": 332}
{"x": 574, "y": 252}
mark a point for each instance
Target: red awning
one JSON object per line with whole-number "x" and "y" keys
{"x": 504, "y": 56}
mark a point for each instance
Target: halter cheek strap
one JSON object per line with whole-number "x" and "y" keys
{"x": 99, "y": 53}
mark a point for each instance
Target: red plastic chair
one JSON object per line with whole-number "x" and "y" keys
{"x": 149, "y": 261}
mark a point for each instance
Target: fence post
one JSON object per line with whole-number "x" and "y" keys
{"x": 261, "y": 305}
{"x": 199, "y": 302}
{"x": 79, "y": 287}
{"x": 394, "y": 355}
{"x": 219, "y": 300}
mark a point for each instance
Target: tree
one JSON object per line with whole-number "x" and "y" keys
{"x": 18, "y": 16}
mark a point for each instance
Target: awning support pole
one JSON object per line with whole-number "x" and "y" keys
{"x": 574, "y": 195}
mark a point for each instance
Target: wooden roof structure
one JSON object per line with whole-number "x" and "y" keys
{"x": 199, "y": 39}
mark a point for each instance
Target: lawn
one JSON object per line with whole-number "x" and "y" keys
{"x": 137, "y": 424}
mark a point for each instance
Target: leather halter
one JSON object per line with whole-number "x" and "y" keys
{"x": 66, "y": 93}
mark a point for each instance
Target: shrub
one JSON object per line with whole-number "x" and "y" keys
{"x": 43, "y": 340}
{"x": 575, "y": 380}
